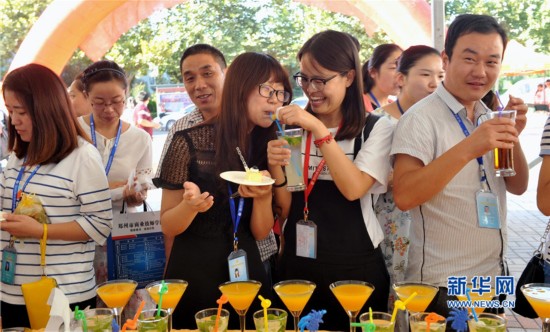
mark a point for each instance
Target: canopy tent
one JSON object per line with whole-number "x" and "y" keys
{"x": 521, "y": 60}
{"x": 95, "y": 26}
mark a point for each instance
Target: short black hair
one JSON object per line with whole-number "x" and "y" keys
{"x": 412, "y": 55}
{"x": 204, "y": 49}
{"x": 143, "y": 96}
{"x": 380, "y": 54}
{"x": 472, "y": 23}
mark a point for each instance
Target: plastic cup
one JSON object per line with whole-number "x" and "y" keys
{"x": 504, "y": 158}
{"x": 382, "y": 321}
{"x": 97, "y": 320}
{"x": 148, "y": 321}
{"x": 206, "y": 320}
{"x": 487, "y": 322}
{"x": 293, "y": 171}
{"x": 418, "y": 323}
{"x": 276, "y": 320}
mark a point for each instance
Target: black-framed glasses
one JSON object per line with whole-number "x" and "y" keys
{"x": 267, "y": 91}
{"x": 102, "y": 106}
{"x": 316, "y": 82}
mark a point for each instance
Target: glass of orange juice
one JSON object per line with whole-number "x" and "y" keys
{"x": 116, "y": 294}
{"x": 176, "y": 288}
{"x": 352, "y": 295}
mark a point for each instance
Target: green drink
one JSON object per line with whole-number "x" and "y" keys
{"x": 419, "y": 322}
{"x": 206, "y": 320}
{"x": 149, "y": 322}
{"x": 381, "y": 320}
{"x": 293, "y": 171}
{"x": 487, "y": 323}
{"x": 276, "y": 320}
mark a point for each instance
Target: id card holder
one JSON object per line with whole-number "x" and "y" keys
{"x": 9, "y": 262}
{"x": 487, "y": 210}
{"x": 306, "y": 239}
{"x": 238, "y": 265}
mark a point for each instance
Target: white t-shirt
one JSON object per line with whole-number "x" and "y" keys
{"x": 545, "y": 151}
{"x": 73, "y": 189}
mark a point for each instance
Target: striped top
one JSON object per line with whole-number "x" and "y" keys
{"x": 545, "y": 151}
{"x": 445, "y": 237}
{"x": 75, "y": 189}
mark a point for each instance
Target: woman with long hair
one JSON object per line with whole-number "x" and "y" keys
{"x": 379, "y": 76}
{"x": 343, "y": 171}
{"x": 196, "y": 202}
{"x": 53, "y": 160}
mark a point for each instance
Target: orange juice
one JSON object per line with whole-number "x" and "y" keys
{"x": 352, "y": 296}
{"x": 171, "y": 298}
{"x": 424, "y": 295}
{"x": 475, "y": 296}
{"x": 539, "y": 298}
{"x": 116, "y": 295}
{"x": 295, "y": 296}
{"x": 240, "y": 294}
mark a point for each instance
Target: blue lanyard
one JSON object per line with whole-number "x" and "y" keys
{"x": 374, "y": 99}
{"x": 113, "y": 150}
{"x": 399, "y": 107}
{"x": 482, "y": 174}
{"x": 235, "y": 216}
{"x": 16, "y": 194}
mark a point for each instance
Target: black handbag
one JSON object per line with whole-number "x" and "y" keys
{"x": 533, "y": 273}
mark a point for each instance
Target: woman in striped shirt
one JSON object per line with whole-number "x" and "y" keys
{"x": 51, "y": 158}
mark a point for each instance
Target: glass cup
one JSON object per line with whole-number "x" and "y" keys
{"x": 382, "y": 321}
{"x": 487, "y": 323}
{"x": 206, "y": 320}
{"x": 98, "y": 320}
{"x": 295, "y": 294}
{"x": 148, "y": 321}
{"x": 116, "y": 294}
{"x": 504, "y": 158}
{"x": 293, "y": 171}
{"x": 538, "y": 296}
{"x": 352, "y": 295}
{"x": 276, "y": 320}
{"x": 419, "y": 323}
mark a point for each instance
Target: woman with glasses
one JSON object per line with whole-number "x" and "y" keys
{"x": 126, "y": 150}
{"x": 379, "y": 74}
{"x": 53, "y": 160}
{"x": 343, "y": 172}
{"x": 201, "y": 209}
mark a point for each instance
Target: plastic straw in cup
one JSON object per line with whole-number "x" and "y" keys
{"x": 470, "y": 300}
{"x": 162, "y": 290}
{"x": 221, "y": 301}
{"x": 401, "y": 305}
{"x": 79, "y": 315}
{"x": 265, "y": 304}
{"x": 431, "y": 318}
{"x": 501, "y": 107}
{"x": 132, "y": 323}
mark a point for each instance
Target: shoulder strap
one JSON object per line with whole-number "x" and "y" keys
{"x": 369, "y": 124}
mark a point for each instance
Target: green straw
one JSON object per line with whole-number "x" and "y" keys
{"x": 79, "y": 315}
{"x": 162, "y": 290}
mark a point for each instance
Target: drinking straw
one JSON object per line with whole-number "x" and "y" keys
{"x": 474, "y": 313}
{"x": 223, "y": 299}
{"x": 132, "y": 323}
{"x": 367, "y": 327}
{"x": 79, "y": 315}
{"x": 432, "y": 317}
{"x": 162, "y": 290}
{"x": 401, "y": 305}
{"x": 265, "y": 304}
{"x": 242, "y": 159}
{"x": 279, "y": 126}
{"x": 501, "y": 107}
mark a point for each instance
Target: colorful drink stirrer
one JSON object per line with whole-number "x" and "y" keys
{"x": 221, "y": 301}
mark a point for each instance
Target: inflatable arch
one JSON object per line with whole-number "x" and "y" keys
{"x": 95, "y": 26}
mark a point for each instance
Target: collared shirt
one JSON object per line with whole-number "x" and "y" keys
{"x": 445, "y": 237}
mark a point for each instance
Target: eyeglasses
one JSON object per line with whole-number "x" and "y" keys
{"x": 103, "y": 106}
{"x": 267, "y": 91}
{"x": 316, "y": 83}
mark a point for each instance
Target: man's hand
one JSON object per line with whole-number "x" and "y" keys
{"x": 521, "y": 112}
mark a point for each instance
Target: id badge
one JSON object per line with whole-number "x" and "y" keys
{"x": 238, "y": 265}
{"x": 306, "y": 239}
{"x": 487, "y": 210}
{"x": 9, "y": 260}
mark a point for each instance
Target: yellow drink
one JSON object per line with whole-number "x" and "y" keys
{"x": 295, "y": 296}
{"x": 171, "y": 298}
{"x": 116, "y": 295}
{"x": 240, "y": 294}
{"x": 475, "y": 296}
{"x": 539, "y": 298}
{"x": 352, "y": 296}
{"x": 424, "y": 295}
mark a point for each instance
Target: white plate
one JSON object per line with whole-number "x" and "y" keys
{"x": 239, "y": 177}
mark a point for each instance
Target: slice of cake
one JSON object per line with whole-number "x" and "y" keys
{"x": 253, "y": 174}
